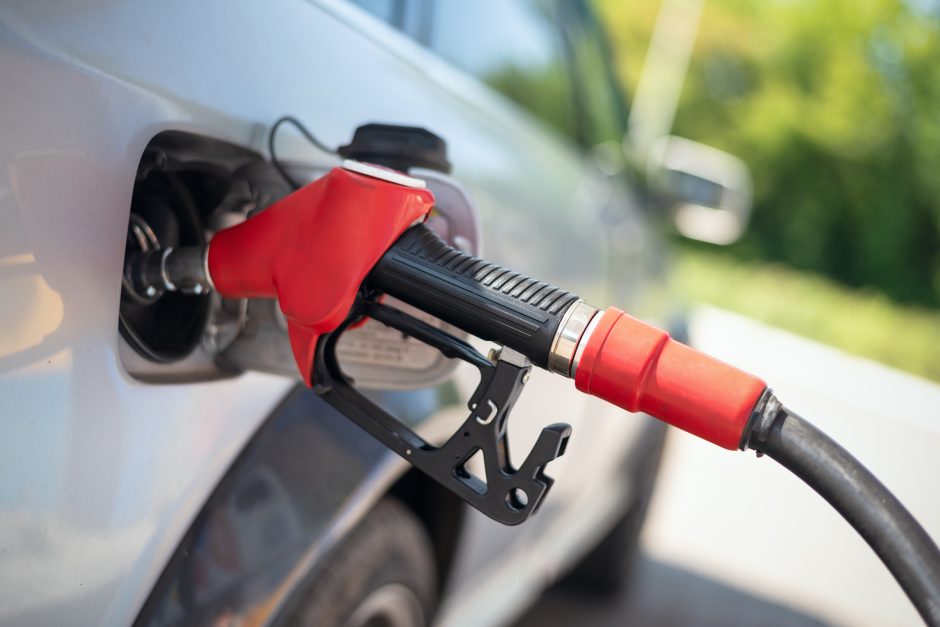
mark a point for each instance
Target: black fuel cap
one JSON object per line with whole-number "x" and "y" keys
{"x": 397, "y": 147}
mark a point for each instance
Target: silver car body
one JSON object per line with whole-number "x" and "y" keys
{"x": 101, "y": 475}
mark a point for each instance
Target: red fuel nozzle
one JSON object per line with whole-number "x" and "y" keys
{"x": 640, "y": 368}
{"x": 313, "y": 249}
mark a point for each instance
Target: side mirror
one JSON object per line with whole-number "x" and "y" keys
{"x": 707, "y": 191}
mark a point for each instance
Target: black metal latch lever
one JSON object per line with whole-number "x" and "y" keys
{"x": 509, "y": 495}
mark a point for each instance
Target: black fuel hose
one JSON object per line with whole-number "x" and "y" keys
{"x": 865, "y": 503}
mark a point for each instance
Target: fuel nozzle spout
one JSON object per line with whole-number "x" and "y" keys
{"x": 152, "y": 273}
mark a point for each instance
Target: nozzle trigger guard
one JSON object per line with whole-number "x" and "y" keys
{"x": 508, "y": 494}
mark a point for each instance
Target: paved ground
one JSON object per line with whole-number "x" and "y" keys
{"x": 733, "y": 540}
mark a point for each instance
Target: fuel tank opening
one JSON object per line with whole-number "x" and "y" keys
{"x": 161, "y": 326}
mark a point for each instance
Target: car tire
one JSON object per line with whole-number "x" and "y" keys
{"x": 607, "y": 568}
{"x": 383, "y": 573}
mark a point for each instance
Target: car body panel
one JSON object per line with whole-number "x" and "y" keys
{"x": 295, "y": 490}
{"x": 105, "y": 474}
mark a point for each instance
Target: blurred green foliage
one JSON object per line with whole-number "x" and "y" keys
{"x": 835, "y": 106}
{"x": 905, "y": 337}
{"x": 543, "y": 91}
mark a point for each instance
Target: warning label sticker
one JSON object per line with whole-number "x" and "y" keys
{"x": 378, "y": 345}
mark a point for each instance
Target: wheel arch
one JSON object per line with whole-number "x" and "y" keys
{"x": 440, "y": 511}
{"x": 298, "y": 487}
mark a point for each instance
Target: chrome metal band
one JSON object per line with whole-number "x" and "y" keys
{"x": 361, "y": 167}
{"x": 585, "y": 338}
{"x": 205, "y": 268}
{"x": 568, "y": 336}
{"x": 186, "y": 270}
{"x": 167, "y": 282}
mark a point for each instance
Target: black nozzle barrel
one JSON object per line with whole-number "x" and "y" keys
{"x": 478, "y": 296}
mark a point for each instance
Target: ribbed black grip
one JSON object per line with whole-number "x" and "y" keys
{"x": 480, "y": 297}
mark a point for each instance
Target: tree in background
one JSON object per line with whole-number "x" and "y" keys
{"x": 836, "y": 107}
